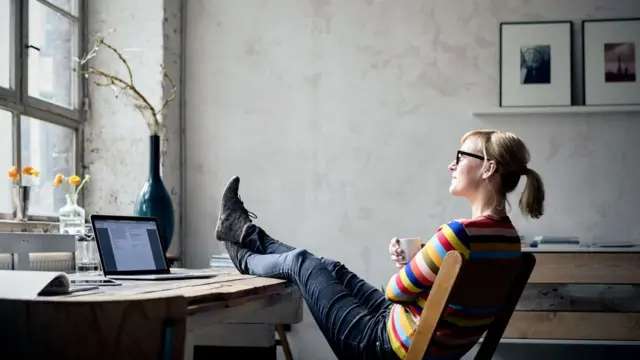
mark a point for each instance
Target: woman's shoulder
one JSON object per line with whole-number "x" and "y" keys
{"x": 485, "y": 225}
{"x": 483, "y": 220}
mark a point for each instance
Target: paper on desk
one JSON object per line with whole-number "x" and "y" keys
{"x": 18, "y": 284}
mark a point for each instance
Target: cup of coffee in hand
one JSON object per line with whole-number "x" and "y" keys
{"x": 410, "y": 247}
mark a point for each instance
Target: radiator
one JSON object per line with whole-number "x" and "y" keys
{"x": 42, "y": 262}
{"x": 52, "y": 261}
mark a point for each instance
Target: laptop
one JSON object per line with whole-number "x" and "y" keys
{"x": 130, "y": 248}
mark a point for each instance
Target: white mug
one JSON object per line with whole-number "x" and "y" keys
{"x": 410, "y": 247}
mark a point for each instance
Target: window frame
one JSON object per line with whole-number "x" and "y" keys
{"x": 17, "y": 101}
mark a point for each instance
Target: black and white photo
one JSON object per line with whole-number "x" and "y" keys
{"x": 535, "y": 63}
{"x": 620, "y": 62}
{"x": 610, "y": 62}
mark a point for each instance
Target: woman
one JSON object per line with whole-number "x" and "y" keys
{"x": 360, "y": 321}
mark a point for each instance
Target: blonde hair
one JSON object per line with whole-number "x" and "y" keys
{"x": 511, "y": 157}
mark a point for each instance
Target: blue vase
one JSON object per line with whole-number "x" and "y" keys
{"x": 154, "y": 199}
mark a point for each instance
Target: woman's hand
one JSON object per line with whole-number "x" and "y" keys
{"x": 397, "y": 255}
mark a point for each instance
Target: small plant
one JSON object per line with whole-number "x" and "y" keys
{"x": 73, "y": 183}
{"x": 27, "y": 170}
{"x": 124, "y": 87}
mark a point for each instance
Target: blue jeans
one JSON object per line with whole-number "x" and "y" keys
{"x": 351, "y": 313}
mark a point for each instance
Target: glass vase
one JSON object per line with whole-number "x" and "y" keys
{"x": 20, "y": 195}
{"x": 71, "y": 216}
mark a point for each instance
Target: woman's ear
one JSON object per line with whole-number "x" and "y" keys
{"x": 489, "y": 169}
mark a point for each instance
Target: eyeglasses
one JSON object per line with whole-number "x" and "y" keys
{"x": 461, "y": 153}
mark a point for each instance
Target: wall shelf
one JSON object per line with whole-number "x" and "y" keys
{"x": 557, "y": 110}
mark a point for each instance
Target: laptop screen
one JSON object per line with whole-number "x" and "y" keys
{"x": 129, "y": 245}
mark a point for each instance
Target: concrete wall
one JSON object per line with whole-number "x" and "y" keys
{"x": 341, "y": 117}
{"x": 116, "y": 136}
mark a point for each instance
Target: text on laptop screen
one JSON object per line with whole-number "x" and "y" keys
{"x": 129, "y": 245}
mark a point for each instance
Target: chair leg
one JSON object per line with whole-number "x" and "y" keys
{"x": 282, "y": 340}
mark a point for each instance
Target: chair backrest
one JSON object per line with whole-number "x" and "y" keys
{"x": 473, "y": 284}
{"x": 136, "y": 328}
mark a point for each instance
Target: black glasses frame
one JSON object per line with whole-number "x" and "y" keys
{"x": 461, "y": 153}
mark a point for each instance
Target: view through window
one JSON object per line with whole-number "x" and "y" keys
{"x": 6, "y": 157}
{"x": 6, "y": 37}
{"x": 40, "y": 116}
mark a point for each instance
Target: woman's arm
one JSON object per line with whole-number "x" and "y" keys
{"x": 420, "y": 273}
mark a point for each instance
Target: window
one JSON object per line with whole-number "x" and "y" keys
{"x": 6, "y": 157}
{"x": 6, "y": 37}
{"x": 49, "y": 148}
{"x": 40, "y": 96}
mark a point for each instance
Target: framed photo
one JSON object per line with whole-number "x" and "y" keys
{"x": 610, "y": 52}
{"x": 535, "y": 63}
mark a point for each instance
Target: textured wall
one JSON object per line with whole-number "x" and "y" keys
{"x": 116, "y": 136}
{"x": 341, "y": 117}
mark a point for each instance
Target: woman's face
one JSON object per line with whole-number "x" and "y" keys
{"x": 466, "y": 169}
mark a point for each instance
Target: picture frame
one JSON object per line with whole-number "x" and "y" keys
{"x": 610, "y": 52}
{"x": 536, "y": 60}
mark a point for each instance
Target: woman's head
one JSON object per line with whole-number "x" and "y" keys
{"x": 489, "y": 165}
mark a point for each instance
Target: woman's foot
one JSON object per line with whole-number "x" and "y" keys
{"x": 234, "y": 217}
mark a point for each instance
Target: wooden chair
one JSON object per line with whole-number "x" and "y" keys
{"x": 283, "y": 342}
{"x": 139, "y": 328}
{"x": 476, "y": 284}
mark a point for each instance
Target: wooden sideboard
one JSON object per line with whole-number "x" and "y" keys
{"x": 580, "y": 294}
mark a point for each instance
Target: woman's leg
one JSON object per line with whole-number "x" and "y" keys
{"x": 352, "y": 330}
{"x": 257, "y": 240}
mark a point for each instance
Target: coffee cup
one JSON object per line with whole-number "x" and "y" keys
{"x": 410, "y": 247}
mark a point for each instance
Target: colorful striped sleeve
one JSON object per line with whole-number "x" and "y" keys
{"x": 420, "y": 273}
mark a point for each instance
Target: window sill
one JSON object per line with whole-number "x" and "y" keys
{"x": 7, "y": 225}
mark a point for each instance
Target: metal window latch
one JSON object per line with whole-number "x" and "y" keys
{"x": 31, "y": 47}
{"x": 86, "y": 108}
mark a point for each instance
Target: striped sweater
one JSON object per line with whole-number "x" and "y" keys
{"x": 461, "y": 328}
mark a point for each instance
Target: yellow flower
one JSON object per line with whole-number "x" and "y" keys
{"x": 58, "y": 180}
{"x": 27, "y": 170}
{"x": 36, "y": 173}
{"x": 13, "y": 173}
{"x": 75, "y": 180}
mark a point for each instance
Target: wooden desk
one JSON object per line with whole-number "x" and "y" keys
{"x": 221, "y": 311}
{"x": 580, "y": 294}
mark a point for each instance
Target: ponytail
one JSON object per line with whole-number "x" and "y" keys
{"x": 532, "y": 198}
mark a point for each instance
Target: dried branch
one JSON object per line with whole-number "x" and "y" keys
{"x": 170, "y": 98}
{"x": 127, "y": 89}
{"x": 124, "y": 61}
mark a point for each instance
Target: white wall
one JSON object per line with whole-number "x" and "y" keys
{"x": 116, "y": 136}
{"x": 341, "y": 117}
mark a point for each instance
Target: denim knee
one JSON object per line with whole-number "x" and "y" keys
{"x": 294, "y": 260}
{"x": 297, "y": 255}
{"x": 331, "y": 264}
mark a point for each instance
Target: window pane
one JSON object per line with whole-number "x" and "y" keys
{"x": 51, "y": 149}
{"x": 50, "y": 65}
{"x": 6, "y": 41}
{"x": 70, "y": 6}
{"x": 6, "y": 158}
